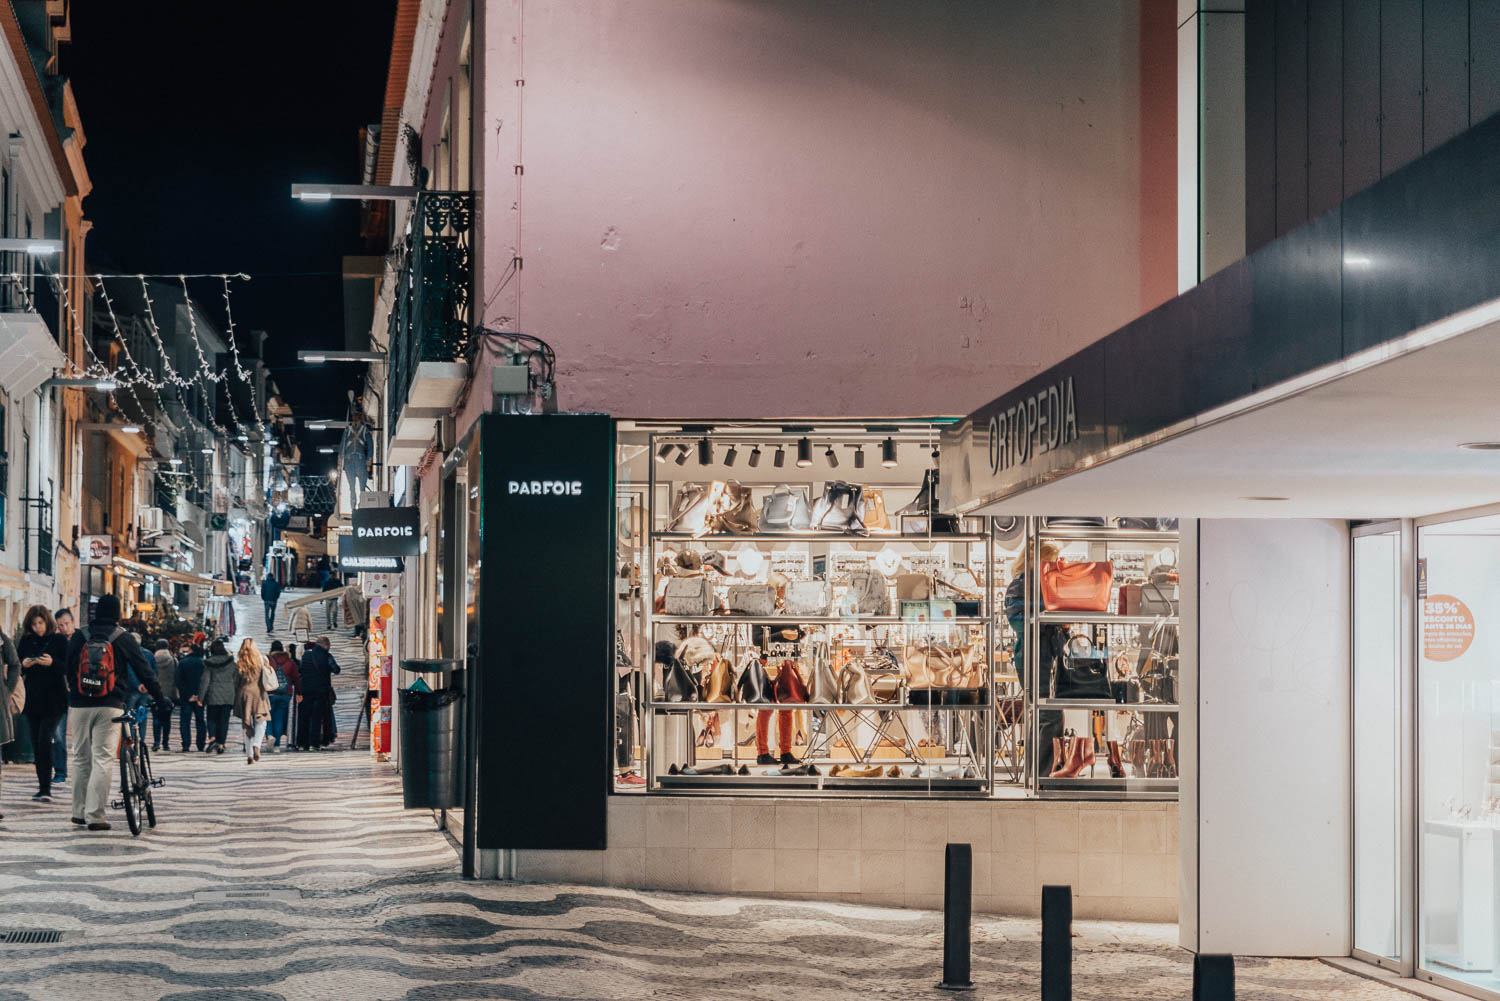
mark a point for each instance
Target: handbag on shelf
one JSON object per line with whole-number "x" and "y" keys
{"x": 808, "y": 597}
{"x": 854, "y": 683}
{"x": 732, "y": 512}
{"x": 1084, "y": 672}
{"x": 868, "y": 594}
{"x": 718, "y": 682}
{"x": 785, "y": 510}
{"x": 789, "y": 687}
{"x": 877, "y": 519}
{"x": 689, "y": 596}
{"x": 752, "y": 599}
{"x": 840, "y": 509}
{"x": 823, "y": 686}
{"x": 678, "y": 684}
{"x": 913, "y": 587}
{"x": 1077, "y": 587}
{"x": 753, "y": 684}
{"x": 692, "y": 506}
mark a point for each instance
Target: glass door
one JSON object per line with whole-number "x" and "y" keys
{"x": 1378, "y": 717}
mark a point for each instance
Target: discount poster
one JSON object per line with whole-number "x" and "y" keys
{"x": 381, "y": 647}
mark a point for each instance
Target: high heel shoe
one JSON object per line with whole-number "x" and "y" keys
{"x": 1116, "y": 766}
{"x": 1153, "y": 759}
{"x": 1137, "y": 749}
{"x": 1170, "y": 747}
{"x": 1080, "y": 756}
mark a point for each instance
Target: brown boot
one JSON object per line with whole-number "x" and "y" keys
{"x": 1170, "y": 747}
{"x": 1116, "y": 766}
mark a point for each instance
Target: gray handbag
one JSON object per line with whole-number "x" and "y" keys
{"x": 785, "y": 510}
{"x": 689, "y": 596}
{"x": 752, "y": 599}
{"x": 809, "y": 597}
{"x": 854, "y": 684}
{"x": 868, "y": 593}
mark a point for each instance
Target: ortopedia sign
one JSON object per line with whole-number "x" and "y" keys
{"x": 385, "y": 531}
{"x": 1447, "y": 628}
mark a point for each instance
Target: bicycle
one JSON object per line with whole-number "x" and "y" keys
{"x": 136, "y": 781}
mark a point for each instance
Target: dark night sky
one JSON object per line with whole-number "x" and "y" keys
{"x": 199, "y": 116}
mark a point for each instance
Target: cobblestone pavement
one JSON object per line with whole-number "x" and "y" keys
{"x": 302, "y": 878}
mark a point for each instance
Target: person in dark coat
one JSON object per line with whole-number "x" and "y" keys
{"x": 216, "y": 692}
{"x": 189, "y": 678}
{"x": 63, "y": 618}
{"x": 270, "y": 593}
{"x": 166, "y": 673}
{"x": 42, "y": 652}
{"x": 96, "y": 735}
{"x": 318, "y": 669}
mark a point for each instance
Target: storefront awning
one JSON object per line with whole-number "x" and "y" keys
{"x": 220, "y": 587}
{"x": 1336, "y": 372}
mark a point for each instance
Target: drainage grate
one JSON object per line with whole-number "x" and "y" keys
{"x": 32, "y": 936}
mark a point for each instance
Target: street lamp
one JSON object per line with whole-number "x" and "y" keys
{"x": 103, "y": 385}
{"x": 99, "y": 426}
{"x": 361, "y": 192}
{"x": 321, "y": 356}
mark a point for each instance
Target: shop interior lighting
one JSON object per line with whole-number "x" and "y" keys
{"x": 362, "y": 192}
{"x": 321, "y": 356}
{"x": 103, "y": 385}
{"x": 661, "y": 453}
{"x": 682, "y": 454}
{"x": 705, "y": 452}
{"x": 780, "y": 459}
{"x": 37, "y": 248}
{"x": 859, "y": 457}
{"x": 208, "y": 450}
{"x": 327, "y": 449}
{"x": 804, "y": 452}
{"x": 731, "y": 455}
{"x": 174, "y": 460}
{"x": 754, "y": 459}
{"x": 1265, "y": 498}
{"x": 888, "y": 453}
{"x": 333, "y": 476}
{"x": 832, "y": 457}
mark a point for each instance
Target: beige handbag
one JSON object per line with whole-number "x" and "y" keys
{"x": 689, "y": 596}
{"x": 876, "y": 518}
{"x": 752, "y": 599}
{"x": 913, "y": 587}
{"x": 809, "y": 597}
{"x": 18, "y": 696}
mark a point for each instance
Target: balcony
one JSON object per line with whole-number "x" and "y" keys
{"x": 429, "y": 321}
{"x": 29, "y": 352}
{"x": 36, "y": 535}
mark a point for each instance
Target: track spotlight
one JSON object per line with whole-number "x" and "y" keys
{"x": 859, "y": 458}
{"x": 682, "y": 454}
{"x": 731, "y": 455}
{"x": 804, "y": 452}
{"x": 663, "y": 452}
{"x": 705, "y": 452}
{"x": 832, "y": 457}
{"x": 754, "y": 459}
{"x": 936, "y": 453}
{"x": 780, "y": 459}
{"x": 888, "y": 453}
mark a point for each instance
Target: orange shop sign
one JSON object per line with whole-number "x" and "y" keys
{"x": 1447, "y": 628}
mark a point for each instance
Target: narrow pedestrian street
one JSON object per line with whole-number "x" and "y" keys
{"x": 302, "y": 877}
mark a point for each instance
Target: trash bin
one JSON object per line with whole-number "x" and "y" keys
{"x": 431, "y": 742}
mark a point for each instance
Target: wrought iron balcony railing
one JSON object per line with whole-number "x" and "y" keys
{"x": 431, "y": 316}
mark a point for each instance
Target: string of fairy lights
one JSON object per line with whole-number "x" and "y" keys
{"x": 130, "y": 376}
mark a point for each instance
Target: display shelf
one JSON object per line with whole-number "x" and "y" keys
{"x": 719, "y": 783}
{"x": 820, "y": 537}
{"x": 811, "y": 620}
{"x": 1104, "y": 619}
{"x": 1109, "y": 704}
{"x": 1105, "y": 783}
{"x": 1107, "y": 535}
{"x": 709, "y": 707}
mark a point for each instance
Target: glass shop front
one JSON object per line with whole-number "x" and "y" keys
{"x": 795, "y": 618}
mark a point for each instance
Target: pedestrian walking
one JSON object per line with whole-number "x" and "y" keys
{"x": 254, "y": 678}
{"x": 43, "y": 653}
{"x": 189, "y": 678}
{"x": 12, "y": 692}
{"x": 94, "y": 667}
{"x": 318, "y": 669}
{"x": 270, "y": 593}
{"x": 331, "y": 606}
{"x": 65, "y": 627}
{"x": 216, "y": 694}
{"x": 288, "y": 680}
{"x": 166, "y": 676}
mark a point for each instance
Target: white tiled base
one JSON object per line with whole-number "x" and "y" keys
{"x": 1120, "y": 858}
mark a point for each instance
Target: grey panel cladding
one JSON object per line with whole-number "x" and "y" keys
{"x": 1340, "y": 93}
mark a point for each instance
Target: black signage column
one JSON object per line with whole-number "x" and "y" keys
{"x": 543, "y": 712}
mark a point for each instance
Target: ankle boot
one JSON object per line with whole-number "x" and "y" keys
{"x": 1137, "y": 749}
{"x": 1116, "y": 766}
{"x": 1170, "y": 747}
{"x": 1153, "y": 759}
{"x": 1078, "y": 747}
{"x": 1058, "y": 757}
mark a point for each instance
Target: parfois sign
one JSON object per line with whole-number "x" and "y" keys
{"x": 385, "y": 531}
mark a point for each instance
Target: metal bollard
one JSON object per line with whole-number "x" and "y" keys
{"x": 1213, "y": 978}
{"x": 958, "y": 889}
{"x": 1057, "y": 943}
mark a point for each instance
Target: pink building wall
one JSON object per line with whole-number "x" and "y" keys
{"x": 737, "y": 208}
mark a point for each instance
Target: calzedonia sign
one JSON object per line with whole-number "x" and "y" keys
{"x": 385, "y": 531}
{"x": 347, "y": 562}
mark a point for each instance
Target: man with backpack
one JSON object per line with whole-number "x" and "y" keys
{"x": 270, "y": 593}
{"x": 97, "y": 665}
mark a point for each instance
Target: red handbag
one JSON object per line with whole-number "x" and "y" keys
{"x": 789, "y": 686}
{"x": 1076, "y": 587}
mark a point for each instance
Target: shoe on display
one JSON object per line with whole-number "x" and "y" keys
{"x": 765, "y": 759}
{"x": 744, "y": 770}
{"x": 629, "y": 778}
{"x": 673, "y": 770}
{"x": 893, "y": 772}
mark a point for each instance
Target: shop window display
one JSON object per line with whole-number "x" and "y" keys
{"x": 794, "y": 615}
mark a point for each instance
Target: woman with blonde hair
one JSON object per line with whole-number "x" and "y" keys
{"x": 252, "y": 703}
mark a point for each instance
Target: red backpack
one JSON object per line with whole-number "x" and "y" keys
{"x": 96, "y": 667}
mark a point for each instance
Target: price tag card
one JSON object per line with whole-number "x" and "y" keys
{"x": 844, "y": 562}
{"x": 791, "y": 563}
{"x": 1130, "y": 564}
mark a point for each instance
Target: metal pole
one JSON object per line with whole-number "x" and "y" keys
{"x": 1057, "y": 943}
{"x": 958, "y": 888}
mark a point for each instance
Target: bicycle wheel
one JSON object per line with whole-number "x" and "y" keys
{"x": 146, "y": 799}
{"x": 128, "y": 787}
